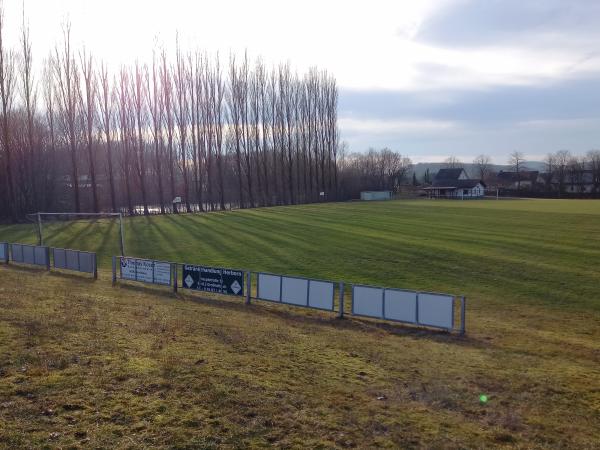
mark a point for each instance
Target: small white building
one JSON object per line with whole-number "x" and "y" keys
{"x": 376, "y": 195}
{"x": 454, "y": 183}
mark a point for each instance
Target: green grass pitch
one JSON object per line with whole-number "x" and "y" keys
{"x": 82, "y": 362}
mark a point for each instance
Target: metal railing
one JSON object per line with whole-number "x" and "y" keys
{"x": 430, "y": 309}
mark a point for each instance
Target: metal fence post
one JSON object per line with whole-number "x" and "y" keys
{"x": 341, "y": 293}
{"x": 248, "y": 286}
{"x": 47, "y": 258}
{"x": 122, "y": 234}
{"x": 463, "y": 315}
{"x": 40, "y": 238}
{"x": 95, "y": 266}
{"x": 114, "y": 270}
{"x": 175, "y": 277}
{"x": 417, "y": 310}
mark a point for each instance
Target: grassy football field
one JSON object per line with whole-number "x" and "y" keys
{"x": 83, "y": 363}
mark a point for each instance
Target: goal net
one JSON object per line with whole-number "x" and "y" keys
{"x": 81, "y": 231}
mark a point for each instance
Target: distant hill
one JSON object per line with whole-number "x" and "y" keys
{"x": 420, "y": 168}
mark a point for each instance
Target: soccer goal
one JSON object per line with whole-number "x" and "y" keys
{"x": 44, "y": 220}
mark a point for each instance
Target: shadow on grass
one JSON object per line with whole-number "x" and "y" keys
{"x": 156, "y": 290}
{"x": 283, "y": 312}
{"x": 107, "y": 238}
{"x": 69, "y": 243}
{"x": 217, "y": 244}
{"x": 26, "y": 268}
{"x": 155, "y": 229}
{"x": 52, "y": 231}
{"x": 76, "y": 276}
{"x": 289, "y": 313}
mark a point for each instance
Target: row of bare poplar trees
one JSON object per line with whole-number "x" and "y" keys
{"x": 78, "y": 138}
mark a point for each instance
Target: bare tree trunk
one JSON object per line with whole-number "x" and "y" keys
{"x": 156, "y": 111}
{"x": 125, "y": 143}
{"x": 310, "y": 108}
{"x": 275, "y": 133}
{"x": 243, "y": 102}
{"x": 29, "y": 101}
{"x": 191, "y": 86}
{"x": 50, "y": 120}
{"x": 68, "y": 87}
{"x": 168, "y": 113}
{"x": 181, "y": 116}
{"x": 200, "y": 131}
{"x": 255, "y": 130}
{"x": 7, "y": 82}
{"x": 141, "y": 120}
{"x": 261, "y": 87}
{"x": 106, "y": 101}
{"x": 286, "y": 98}
{"x": 217, "y": 116}
{"x": 235, "y": 120}
{"x": 88, "y": 112}
{"x": 208, "y": 94}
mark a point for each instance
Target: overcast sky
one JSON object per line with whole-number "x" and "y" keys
{"x": 428, "y": 78}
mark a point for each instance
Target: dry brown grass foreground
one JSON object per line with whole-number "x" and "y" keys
{"x": 85, "y": 364}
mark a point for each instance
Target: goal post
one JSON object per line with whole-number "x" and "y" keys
{"x": 68, "y": 216}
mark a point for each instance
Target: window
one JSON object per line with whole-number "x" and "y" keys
{"x": 465, "y": 192}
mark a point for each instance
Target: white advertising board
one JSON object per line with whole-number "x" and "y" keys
{"x": 400, "y": 305}
{"x": 128, "y": 269}
{"x": 76, "y": 260}
{"x": 60, "y": 258}
{"x": 436, "y": 310}
{"x": 269, "y": 287}
{"x": 367, "y": 301}
{"x": 72, "y": 257}
{"x": 146, "y": 271}
{"x": 162, "y": 272}
{"x": 320, "y": 294}
{"x": 294, "y": 291}
{"x": 40, "y": 256}
{"x": 86, "y": 262}
{"x": 29, "y": 254}
{"x": 16, "y": 251}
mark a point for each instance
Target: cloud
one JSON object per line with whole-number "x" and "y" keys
{"x": 428, "y": 77}
{"x": 385, "y": 127}
{"x": 475, "y": 23}
{"x": 567, "y": 99}
{"x": 475, "y": 44}
{"x": 463, "y": 122}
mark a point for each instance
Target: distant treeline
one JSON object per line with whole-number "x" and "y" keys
{"x": 75, "y": 137}
{"x": 185, "y": 128}
{"x": 217, "y": 135}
